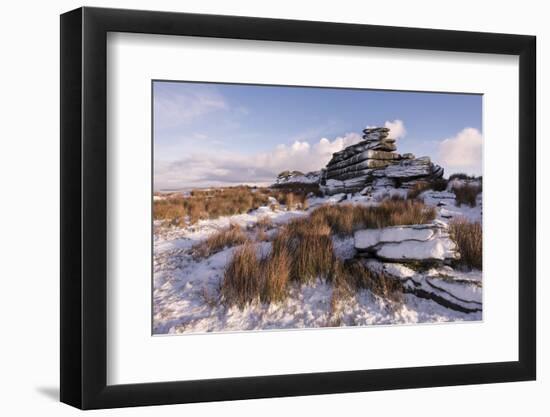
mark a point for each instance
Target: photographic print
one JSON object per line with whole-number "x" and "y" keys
{"x": 287, "y": 207}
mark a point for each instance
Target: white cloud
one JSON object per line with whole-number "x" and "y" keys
{"x": 216, "y": 168}
{"x": 397, "y": 129}
{"x": 462, "y": 152}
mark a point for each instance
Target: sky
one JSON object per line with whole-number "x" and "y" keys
{"x": 212, "y": 134}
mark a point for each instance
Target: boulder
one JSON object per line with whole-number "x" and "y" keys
{"x": 410, "y": 168}
{"x": 412, "y": 243}
{"x": 352, "y": 185}
{"x": 297, "y": 177}
{"x": 376, "y": 133}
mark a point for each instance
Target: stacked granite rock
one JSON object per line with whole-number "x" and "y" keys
{"x": 373, "y": 161}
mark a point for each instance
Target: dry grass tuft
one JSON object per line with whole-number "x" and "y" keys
{"x": 340, "y": 218}
{"x": 468, "y": 236}
{"x": 241, "y": 283}
{"x": 276, "y": 275}
{"x": 220, "y": 240}
{"x": 466, "y": 194}
{"x": 400, "y": 212}
{"x": 418, "y": 189}
{"x": 353, "y": 275}
{"x": 439, "y": 184}
{"x": 170, "y": 211}
{"x": 310, "y": 245}
{"x": 265, "y": 223}
{"x": 179, "y": 210}
{"x": 344, "y": 219}
{"x": 249, "y": 278}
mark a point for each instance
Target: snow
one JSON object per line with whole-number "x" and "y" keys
{"x": 470, "y": 291}
{"x": 185, "y": 289}
{"x": 370, "y": 237}
{"x": 414, "y": 242}
{"x": 448, "y": 209}
{"x": 438, "y": 249}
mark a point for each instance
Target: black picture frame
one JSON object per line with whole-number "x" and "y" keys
{"x": 84, "y": 207}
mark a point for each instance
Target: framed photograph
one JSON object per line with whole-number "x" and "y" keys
{"x": 257, "y": 208}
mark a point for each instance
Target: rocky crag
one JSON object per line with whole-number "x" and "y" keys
{"x": 420, "y": 255}
{"x": 374, "y": 162}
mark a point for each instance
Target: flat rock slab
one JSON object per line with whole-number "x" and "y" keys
{"x": 454, "y": 290}
{"x": 410, "y": 168}
{"x": 362, "y": 156}
{"x": 421, "y": 242}
{"x": 408, "y": 251}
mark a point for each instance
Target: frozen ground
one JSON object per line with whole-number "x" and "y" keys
{"x": 185, "y": 290}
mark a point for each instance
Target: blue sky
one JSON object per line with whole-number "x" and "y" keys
{"x": 224, "y": 134}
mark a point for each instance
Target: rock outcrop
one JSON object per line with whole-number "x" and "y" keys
{"x": 456, "y": 291}
{"x": 371, "y": 164}
{"x": 412, "y": 243}
{"x": 297, "y": 177}
{"x": 416, "y": 255}
{"x": 373, "y": 161}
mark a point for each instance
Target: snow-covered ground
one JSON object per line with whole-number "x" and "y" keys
{"x": 185, "y": 289}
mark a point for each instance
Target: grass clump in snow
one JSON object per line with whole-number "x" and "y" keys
{"x": 302, "y": 251}
{"x": 468, "y": 236}
{"x": 220, "y": 240}
{"x": 396, "y": 212}
{"x": 466, "y": 194}
{"x": 265, "y": 223}
{"x": 352, "y": 275}
{"x": 249, "y": 278}
{"x": 439, "y": 184}
{"x": 242, "y": 281}
{"x": 275, "y": 270}
{"x": 344, "y": 219}
{"x": 309, "y": 244}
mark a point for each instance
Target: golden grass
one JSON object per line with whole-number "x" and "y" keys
{"x": 397, "y": 212}
{"x": 466, "y": 194}
{"x": 177, "y": 209}
{"x": 302, "y": 251}
{"x": 222, "y": 239}
{"x": 265, "y": 223}
{"x": 248, "y": 278}
{"x": 439, "y": 184}
{"x": 310, "y": 245}
{"x": 344, "y": 219}
{"x": 275, "y": 271}
{"x": 352, "y": 275}
{"x": 242, "y": 280}
{"x": 468, "y": 236}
